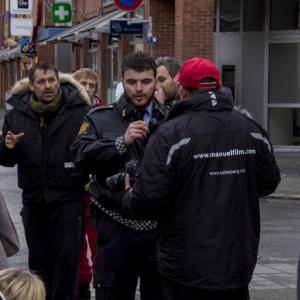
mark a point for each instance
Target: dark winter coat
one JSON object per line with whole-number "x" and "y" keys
{"x": 201, "y": 177}
{"x": 95, "y": 149}
{"x": 45, "y": 168}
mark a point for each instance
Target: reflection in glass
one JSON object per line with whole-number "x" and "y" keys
{"x": 254, "y": 12}
{"x": 284, "y": 126}
{"x": 284, "y": 15}
{"x": 230, "y": 15}
{"x": 284, "y": 73}
{"x": 228, "y": 77}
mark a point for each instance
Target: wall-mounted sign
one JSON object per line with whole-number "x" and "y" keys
{"x": 20, "y": 26}
{"x": 61, "y": 12}
{"x": 122, "y": 27}
{"x": 128, "y": 5}
{"x": 26, "y": 46}
{"x": 21, "y": 7}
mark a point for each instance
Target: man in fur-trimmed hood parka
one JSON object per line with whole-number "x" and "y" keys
{"x": 48, "y": 110}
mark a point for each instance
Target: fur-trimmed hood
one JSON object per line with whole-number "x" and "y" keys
{"x": 22, "y": 86}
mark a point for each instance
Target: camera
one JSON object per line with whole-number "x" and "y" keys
{"x": 116, "y": 183}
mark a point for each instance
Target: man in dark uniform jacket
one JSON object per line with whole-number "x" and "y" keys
{"x": 48, "y": 110}
{"x": 110, "y": 138}
{"x": 201, "y": 177}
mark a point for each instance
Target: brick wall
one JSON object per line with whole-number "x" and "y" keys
{"x": 194, "y": 28}
{"x": 46, "y": 53}
{"x": 86, "y": 9}
{"x": 163, "y": 17}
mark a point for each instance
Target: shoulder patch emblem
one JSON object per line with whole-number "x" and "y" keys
{"x": 83, "y": 128}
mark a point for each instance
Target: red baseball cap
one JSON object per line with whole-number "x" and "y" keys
{"x": 195, "y": 70}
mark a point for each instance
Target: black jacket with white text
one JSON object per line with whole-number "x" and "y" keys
{"x": 201, "y": 178}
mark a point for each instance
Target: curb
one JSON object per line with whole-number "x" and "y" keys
{"x": 284, "y": 196}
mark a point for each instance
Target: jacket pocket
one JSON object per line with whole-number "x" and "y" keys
{"x": 66, "y": 179}
{"x": 105, "y": 228}
{"x": 29, "y": 179}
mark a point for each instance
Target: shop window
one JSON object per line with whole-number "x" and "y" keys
{"x": 254, "y": 12}
{"x": 284, "y": 73}
{"x": 285, "y": 15}
{"x": 228, "y": 77}
{"x": 230, "y": 11}
{"x": 284, "y": 126}
{"x": 93, "y": 61}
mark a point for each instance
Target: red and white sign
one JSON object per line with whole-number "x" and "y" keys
{"x": 128, "y": 5}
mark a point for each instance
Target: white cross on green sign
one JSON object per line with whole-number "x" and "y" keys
{"x": 61, "y": 12}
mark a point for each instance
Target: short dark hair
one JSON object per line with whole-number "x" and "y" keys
{"x": 172, "y": 64}
{"x": 138, "y": 61}
{"x": 41, "y": 66}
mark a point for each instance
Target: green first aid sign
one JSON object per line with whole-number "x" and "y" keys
{"x": 61, "y": 12}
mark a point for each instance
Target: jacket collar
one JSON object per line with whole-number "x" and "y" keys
{"x": 126, "y": 109}
{"x": 22, "y": 87}
{"x": 209, "y": 101}
{"x": 72, "y": 97}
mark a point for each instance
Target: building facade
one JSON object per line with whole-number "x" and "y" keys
{"x": 254, "y": 42}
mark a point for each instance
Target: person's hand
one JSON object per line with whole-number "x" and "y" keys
{"x": 11, "y": 139}
{"x": 136, "y": 130}
{"x": 127, "y": 182}
{"x": 160, "y": 95}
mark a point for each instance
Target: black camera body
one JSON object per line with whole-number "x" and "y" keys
{"x": 116, "y": 183}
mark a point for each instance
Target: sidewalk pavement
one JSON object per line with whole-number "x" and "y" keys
{"x": 289, "y": 187}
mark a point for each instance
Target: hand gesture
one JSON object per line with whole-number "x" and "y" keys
{"x": 160, "y": 95}
{"x": 136, "y": 130}
{"x": 127, "y": 182}
{"x": 11, "y": 139}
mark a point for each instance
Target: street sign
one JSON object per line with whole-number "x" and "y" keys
{"x": 122, "y": 27}
{"x": 26, "y": 46}
{"x": 61, "y": 12}
{"x": 128, "y": 5}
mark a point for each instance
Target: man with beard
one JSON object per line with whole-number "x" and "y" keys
{"x": 166, "y": 88}
{"x": 48, "y": 110}
{"x": 112, "y": 138}
{"x": 201, "y": 176}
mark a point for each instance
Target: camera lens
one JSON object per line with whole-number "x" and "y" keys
{"x": 116, "y": 182}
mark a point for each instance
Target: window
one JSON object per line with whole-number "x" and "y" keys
{"x": 284, "y": 126}
{"x": 284, "y": 73}
{"x": 228, "y": 77}
{"x": 284, "y": 15}
{"x": 254, "y": 12}
{"x": 93, "y": 55}
{"x": 230, "y": 15}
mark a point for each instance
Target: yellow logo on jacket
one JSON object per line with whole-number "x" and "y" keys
{"x": 83, "y": 128}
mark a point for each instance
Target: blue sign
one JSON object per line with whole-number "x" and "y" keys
{"x": 122, "y": 27}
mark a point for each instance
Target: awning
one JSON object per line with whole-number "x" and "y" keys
{"x": 47, "y": 33}
{"x": 85, "y": 29}
{"x": 8, "y": 53}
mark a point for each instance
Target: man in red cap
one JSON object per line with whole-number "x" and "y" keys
{"x": 201, "y": 178}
